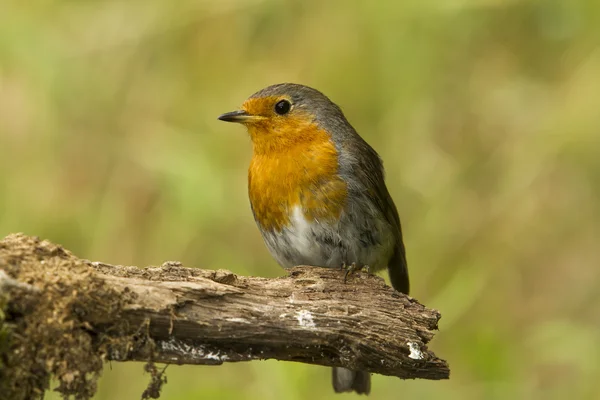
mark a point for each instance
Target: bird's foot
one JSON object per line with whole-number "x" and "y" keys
{"x": 352, "y": 268}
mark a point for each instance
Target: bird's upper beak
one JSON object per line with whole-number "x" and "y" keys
{"x": 239, "y": 116}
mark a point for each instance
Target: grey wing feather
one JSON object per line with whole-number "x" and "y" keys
{"x": 370, "y": 172}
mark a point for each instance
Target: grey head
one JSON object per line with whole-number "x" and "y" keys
{"x": 327, "y": 114}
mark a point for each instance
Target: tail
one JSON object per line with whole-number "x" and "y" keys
{"x": 398, "y": 270}
{"x": 345, "y": 380}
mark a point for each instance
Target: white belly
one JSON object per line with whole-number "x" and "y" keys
{"x": 325, "y": 244}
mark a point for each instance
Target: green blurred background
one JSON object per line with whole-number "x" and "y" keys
{"x": 486, "y": 113}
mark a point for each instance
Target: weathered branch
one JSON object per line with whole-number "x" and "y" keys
{"x": 180, "y": 315}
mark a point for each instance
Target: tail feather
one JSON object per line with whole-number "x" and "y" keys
{"x": 345, "y": 380}
{"x": 398, "y": 271}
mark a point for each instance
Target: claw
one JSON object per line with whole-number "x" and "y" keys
{"x": 346, "y": 275}
{"x": 350, "y": 270}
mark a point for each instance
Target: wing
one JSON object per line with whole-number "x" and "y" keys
{"x": 367, "y": 169}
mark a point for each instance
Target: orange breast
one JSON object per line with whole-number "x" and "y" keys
{"x": 302, "y": 172}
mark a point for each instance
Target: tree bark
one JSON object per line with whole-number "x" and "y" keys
{"x": 173, "y": 314}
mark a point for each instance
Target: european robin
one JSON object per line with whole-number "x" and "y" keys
{"x": 317, "y": 192}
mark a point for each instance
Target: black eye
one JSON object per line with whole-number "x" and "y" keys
{"x": 282, "y": 107}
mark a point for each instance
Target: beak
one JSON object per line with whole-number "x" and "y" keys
{"x": 240, "y": 116}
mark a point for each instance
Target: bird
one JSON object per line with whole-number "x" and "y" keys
{"x": 318, "y": 194}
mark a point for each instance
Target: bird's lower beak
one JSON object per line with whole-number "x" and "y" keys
{"x": 240, "y": 116}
